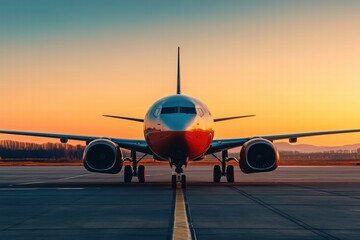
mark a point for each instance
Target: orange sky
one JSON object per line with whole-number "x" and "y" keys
{"x": 296, "y": 69}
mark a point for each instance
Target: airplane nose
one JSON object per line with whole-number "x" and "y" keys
{"x": 178, "y": 122}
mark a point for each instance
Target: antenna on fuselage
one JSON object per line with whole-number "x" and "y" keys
{"x": 178, "y": 90}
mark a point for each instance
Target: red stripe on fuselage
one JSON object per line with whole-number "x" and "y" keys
{"x": 178, "y": 145}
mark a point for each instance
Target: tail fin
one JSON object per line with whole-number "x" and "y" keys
{"x": 178, "y": 90}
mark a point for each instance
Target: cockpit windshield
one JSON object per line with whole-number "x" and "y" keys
{"x": 191, "y": 110}
{"x": 168, "y": 110}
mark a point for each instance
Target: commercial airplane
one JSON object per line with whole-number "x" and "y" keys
{"x": 179, "y": 129}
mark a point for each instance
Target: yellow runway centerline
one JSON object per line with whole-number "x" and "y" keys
{"x": 181, "y": 225}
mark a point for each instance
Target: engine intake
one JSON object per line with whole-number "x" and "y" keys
{"x": 102, "y": 155}
{"x": 258, "y": 155}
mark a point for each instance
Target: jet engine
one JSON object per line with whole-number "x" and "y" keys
{"x": 103, "y": 156}
{"x": 258, "y": 155}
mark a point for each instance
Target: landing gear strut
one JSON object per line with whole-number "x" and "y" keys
{"x": 224, "y": 170}
{"x": 179, "y": 176}
{"x": 134, "y": 170}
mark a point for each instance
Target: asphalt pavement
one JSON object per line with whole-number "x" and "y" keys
{"x": 71, "y": 203}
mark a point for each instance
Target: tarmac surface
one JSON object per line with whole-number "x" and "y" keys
{"x": 71, "y": 203}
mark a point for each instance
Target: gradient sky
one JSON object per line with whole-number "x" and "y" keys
{"x": 295, "y": 64}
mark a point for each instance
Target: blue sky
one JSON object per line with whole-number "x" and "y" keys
{"x": 19, "y": 19}
{"x": 276, "y": 59}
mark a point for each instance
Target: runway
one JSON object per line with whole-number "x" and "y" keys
{"x": 71, "y": 203}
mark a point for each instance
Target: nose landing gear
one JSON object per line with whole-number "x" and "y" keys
{"x": 179, "y": 176}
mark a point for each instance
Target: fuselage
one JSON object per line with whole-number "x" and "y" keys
{"x": 178, "y": 128}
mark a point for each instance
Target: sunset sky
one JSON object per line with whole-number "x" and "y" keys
{"x": 295, "y": 64}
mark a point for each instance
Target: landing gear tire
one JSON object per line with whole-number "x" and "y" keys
{"x": 183, "y": 181}
{"x": 141, "y": 173}
{"x": 127, "y": 174}
{"x": 173, "y": 181}
{"x": 217, "y": 173}
{"x": 230, "y": 173}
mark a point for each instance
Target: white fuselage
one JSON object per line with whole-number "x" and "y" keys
{"x": 178, "y": 128}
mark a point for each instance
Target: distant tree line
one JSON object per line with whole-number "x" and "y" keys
{"x": 330, "y": 155}
{"x": 65, "y": 152}
{"x": 52, "y": 151}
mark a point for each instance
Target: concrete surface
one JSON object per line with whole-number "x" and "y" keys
{"x": 71, "y": 203}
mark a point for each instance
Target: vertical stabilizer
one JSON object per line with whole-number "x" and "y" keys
{"x": 178, "y": 89}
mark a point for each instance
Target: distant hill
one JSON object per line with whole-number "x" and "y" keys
{"x": 306, "y": 148}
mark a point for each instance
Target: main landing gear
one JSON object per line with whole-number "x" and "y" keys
{"x": 179, "y": 176}
{"x": 134, "y": 170}
{"x": 224, "y": 170}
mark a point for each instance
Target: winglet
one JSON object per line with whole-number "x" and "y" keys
{"x": 178, "y": 90}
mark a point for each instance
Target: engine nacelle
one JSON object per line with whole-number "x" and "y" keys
{"x": 258, "y": 155}
{"x": 103, "y": 156}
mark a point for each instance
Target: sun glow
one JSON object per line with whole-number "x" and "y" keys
{"x": 295, "y": 68}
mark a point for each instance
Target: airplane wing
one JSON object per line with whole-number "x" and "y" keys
{"x": 230, "y": 118}
{"x": 125, "y": 118}
{"x": 138, "y": 145}
{"x": 223, "y": 144}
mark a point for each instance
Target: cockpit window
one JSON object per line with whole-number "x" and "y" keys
{"x": 168, "y": 110}
{"x": 200, "y": 112}
{"x": 157, "y": 112}
{"x": 187, "y": 110}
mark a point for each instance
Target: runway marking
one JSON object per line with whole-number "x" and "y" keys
{"x": 319, "y": 232}
{"x": 77, "y": 176}
{"x": 30, "y": 189}
{"x": 338, "y": 194}
{"x": 53, "y": 180}
{"x": 29, "y": 183}
{"x": 18, "y": 189}
{"x": 181, "y": 226}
